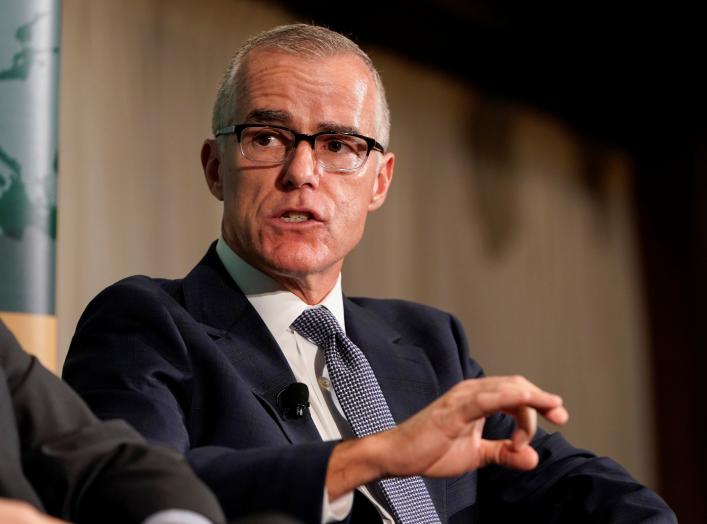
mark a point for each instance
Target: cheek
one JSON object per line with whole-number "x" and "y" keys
{"x": 352, "y": 212}
{"x": 243, "y": 198}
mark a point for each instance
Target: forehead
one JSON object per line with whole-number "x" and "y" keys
{"x": 309, "y": 92}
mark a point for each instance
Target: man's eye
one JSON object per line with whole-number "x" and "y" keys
{"x": 335, "y": 146}
{"x": 268, "y": 139}
{"x": 341, "y": 145}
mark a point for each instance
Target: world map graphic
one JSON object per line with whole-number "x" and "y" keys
{"x": 29, "y": 66}
{"x": 25, "y": 200}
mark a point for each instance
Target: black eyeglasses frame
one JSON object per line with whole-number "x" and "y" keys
{"x": 237, "y": 129}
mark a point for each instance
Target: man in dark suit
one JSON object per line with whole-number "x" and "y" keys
{"x": 206, "y": 364}
{"x": 57, "y": 457}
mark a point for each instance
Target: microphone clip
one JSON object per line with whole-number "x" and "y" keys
{"x": 293, "y": 400}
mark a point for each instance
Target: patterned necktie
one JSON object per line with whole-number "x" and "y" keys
{"x": 362, "y": 400}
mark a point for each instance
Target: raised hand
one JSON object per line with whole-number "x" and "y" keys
{"x": 445, "y": 438}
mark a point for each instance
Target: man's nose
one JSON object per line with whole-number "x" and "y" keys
{"x": 302, "y": 168}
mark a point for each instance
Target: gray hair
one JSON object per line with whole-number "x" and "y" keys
{"x": 297, "y": 39}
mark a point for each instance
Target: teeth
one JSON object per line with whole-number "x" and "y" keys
{"x": 295, "y": 217}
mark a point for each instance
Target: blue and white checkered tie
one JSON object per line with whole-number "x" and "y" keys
{"x": 362, "y": 400}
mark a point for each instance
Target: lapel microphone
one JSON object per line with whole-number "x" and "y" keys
{"x": 293, "y": 400}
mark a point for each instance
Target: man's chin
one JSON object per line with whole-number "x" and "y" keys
{"x": 296, "y": 269}
{"x": 300, "y": 265}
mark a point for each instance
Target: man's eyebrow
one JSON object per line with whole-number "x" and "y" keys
{"x": 338, "y": 128}
{"x": 275, "y": 116}
{"x": 268, "y": 116}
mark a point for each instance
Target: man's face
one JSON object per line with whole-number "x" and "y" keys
{"x": 261, "y": 201}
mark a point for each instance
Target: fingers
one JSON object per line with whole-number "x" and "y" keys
{"x": 503, "y": 453}
{"x": 558, "y": 415}
{"x": 17, "y": 512}
{"x": 485, "y": 396}
{"x": 515, "y": 396}
{"x": 526, "y": 425}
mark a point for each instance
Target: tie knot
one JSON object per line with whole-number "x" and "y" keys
{"x": 317, "y": 325}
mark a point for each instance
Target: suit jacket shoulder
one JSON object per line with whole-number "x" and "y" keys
{"x": 190, "y": 364}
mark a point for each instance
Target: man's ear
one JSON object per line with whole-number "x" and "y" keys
{"x": 211, "y": 161}
{"x": 382, "y": 182}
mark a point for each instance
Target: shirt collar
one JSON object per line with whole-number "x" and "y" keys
{"x": 276, "y": 306}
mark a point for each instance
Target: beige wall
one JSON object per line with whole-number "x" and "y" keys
{"x": 498, "y": 214}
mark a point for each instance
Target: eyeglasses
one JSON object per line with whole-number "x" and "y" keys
{"x": 271, "y": 144}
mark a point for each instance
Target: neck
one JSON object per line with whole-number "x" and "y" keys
{"x": 312, "y": 288}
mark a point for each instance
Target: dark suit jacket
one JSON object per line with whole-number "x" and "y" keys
{"x": 191, "y": 365}
{"x": 56, "y": 455}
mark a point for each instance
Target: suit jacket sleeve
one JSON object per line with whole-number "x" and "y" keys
{"x": 80, "y": 468}
{"x": 138, "y": 355}
{"x": 569, "y": 484}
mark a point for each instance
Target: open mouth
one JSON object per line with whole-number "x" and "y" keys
{"x": 296, "y": 216}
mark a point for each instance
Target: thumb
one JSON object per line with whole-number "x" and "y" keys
{"x": 502, "y": 452}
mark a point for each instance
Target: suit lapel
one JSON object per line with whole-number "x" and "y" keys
{"x": 215, "y": 301}
{"x": 403, "y": 371}
{"x": 405, "y": 374}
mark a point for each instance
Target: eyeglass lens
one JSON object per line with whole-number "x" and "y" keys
{"x": 333, "y": 151}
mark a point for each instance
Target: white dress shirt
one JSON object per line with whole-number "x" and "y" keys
{"x": 279, "y": 308}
